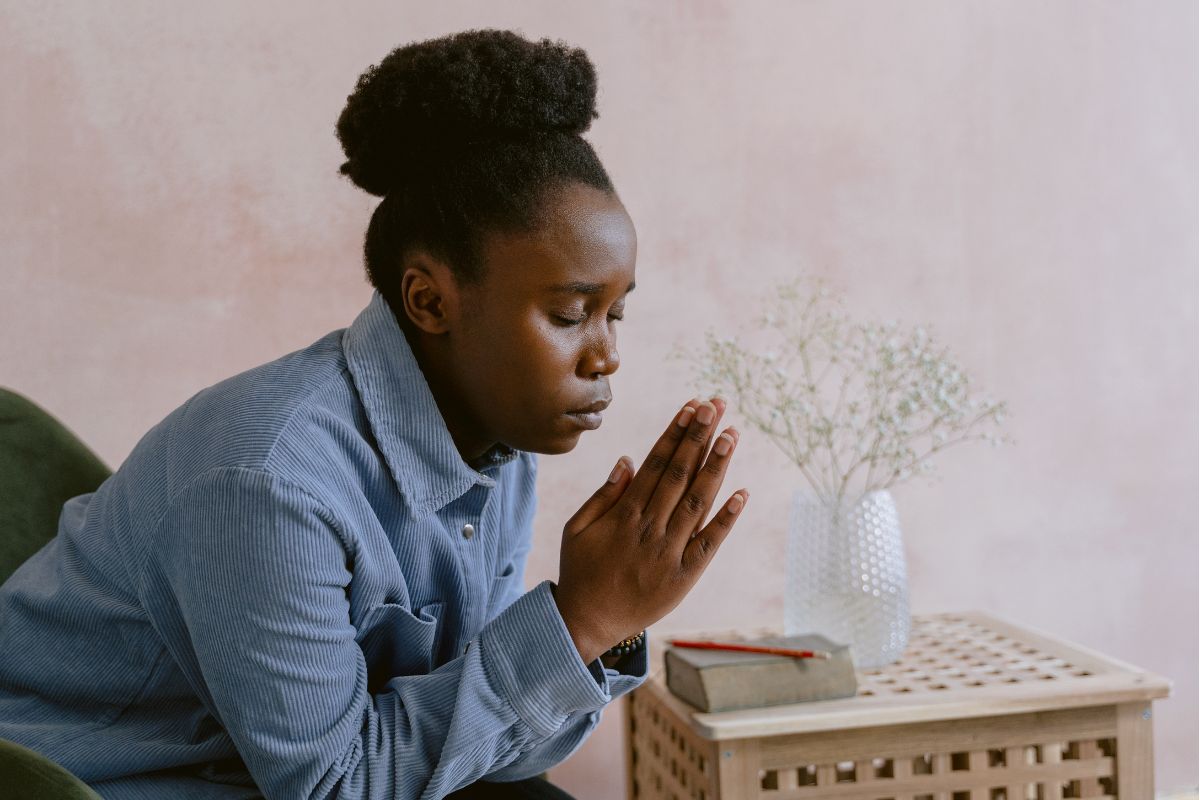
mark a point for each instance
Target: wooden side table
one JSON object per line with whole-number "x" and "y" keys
{"x": 975, "y": 709}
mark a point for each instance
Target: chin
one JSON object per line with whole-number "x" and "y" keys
{"x": 562, "y": 439}
{"x": 560, "y": 436}
{"x": 558, "y": 445}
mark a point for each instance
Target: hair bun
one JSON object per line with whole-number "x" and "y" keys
{"x": 477, "y": 84}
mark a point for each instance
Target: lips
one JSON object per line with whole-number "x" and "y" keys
{"x": 593, "y": 408}
{"x": 589, "y": 416}
{"x": 590, "y": 420}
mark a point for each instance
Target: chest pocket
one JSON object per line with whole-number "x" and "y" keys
{"x": 398, "y": 641}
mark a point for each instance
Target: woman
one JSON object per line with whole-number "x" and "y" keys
{"x": 307, "y": 581}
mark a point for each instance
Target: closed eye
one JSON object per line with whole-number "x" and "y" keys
{"x": 567, "y": 321}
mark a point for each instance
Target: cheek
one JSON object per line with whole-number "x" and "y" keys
{"x": 555, "y": 348}
{"x": 539, "y": 355}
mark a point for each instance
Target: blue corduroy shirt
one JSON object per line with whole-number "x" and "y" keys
{"x": 296, "y": 586}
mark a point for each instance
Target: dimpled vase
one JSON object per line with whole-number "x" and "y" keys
{"x": 846, "y": 575}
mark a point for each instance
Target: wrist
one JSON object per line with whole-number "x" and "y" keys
{"x": 588, "y": 645}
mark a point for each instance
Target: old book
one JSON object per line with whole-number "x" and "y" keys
{"x": 720, "y": 680}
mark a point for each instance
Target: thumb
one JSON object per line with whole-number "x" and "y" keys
{"x": 602, "y": 499}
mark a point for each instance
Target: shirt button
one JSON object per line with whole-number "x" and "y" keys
{"x": 468, "y": 531}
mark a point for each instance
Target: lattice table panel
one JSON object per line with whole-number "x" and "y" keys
{"x": 1024, "y": 772}
{"x": 949, "y": 652}
{"x": 975, "y": 709}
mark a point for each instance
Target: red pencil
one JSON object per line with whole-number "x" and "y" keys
{"x": 747, "y": 648}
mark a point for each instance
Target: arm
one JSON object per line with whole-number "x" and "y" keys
{"x": 514, "y": 585}
{"x": 255, "y": 575}
{"x": 616, "y": 674}
{"x": 579, "y": 725}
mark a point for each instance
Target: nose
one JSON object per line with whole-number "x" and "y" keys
{"x": 601, "y": 357}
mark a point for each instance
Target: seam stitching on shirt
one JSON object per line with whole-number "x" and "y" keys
{"x": 269, "y": 455}
{"x": 213, "y": 472}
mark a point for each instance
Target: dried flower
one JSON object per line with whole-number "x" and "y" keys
{"x": 851, "y": 404}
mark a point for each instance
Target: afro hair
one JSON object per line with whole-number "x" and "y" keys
{"x": 476, "y": 84}
{"x": 461, "y": 135}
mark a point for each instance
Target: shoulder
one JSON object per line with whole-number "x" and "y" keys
{"x": 239, "y": 422}
{"x": 260, "y": 403}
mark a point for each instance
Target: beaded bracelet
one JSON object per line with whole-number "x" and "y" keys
{"x": 630, "y": 645}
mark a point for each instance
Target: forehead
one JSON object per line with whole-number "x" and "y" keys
{"x": 585, "y": 245}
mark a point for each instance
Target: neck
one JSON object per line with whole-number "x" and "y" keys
{"x": 430, "y": 356}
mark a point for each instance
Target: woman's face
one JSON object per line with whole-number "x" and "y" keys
{"x": 539, "y": 334}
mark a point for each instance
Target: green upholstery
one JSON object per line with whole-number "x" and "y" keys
{"x": 28, "y": 775}
{"x": 42, "y": 465}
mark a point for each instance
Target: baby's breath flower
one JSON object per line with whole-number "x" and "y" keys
{"x": 856, "y": 406}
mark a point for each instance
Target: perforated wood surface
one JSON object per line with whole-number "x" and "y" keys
{"x": 956, "y": 665}
{"x": 950, "y": 652}
{"x": 975, "y": 709}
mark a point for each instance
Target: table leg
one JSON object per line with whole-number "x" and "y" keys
{"x": 737, "y": 769}
{"x": 1135, "y": 751}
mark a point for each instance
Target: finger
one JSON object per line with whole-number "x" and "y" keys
{"x": 602, "y": 499}
{"x": 719, "y": 402}
{"x": 639, "y": 490}
{"x": 703, "y": 546}
{"x": 688, "y": 454}
{"x": 689, "y": 514}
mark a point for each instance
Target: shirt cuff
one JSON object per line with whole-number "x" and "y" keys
{"x": 528, "y": 650}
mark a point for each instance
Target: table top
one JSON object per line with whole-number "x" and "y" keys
{"x": 956, "y": 665}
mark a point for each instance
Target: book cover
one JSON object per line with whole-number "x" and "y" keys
{"x": 717, "y": 680}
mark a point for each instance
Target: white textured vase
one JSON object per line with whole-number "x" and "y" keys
{"x": 846, "y": 576}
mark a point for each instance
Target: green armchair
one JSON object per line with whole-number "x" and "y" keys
{"x": 42, "y": 465}
{"x": 28, "y": 775}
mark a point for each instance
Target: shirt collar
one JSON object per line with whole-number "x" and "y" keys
{"x": 405, "y": 418}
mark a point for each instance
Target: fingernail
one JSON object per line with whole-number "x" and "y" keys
{"x": 685, "y": 417}
{"x": 616, "y": 473}
{"x": 724, "y": 444}
{"x": 704, "y": 414}
{"x": 735, "y": 504}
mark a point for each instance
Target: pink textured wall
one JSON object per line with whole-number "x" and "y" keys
{"x": 1019, "y": 175}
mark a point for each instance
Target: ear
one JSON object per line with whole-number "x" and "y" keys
{"x": 429, "y": 293}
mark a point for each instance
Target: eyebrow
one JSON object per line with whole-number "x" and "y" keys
{"x": 583, "y": 287}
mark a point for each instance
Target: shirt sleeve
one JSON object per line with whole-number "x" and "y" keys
{"x": 257, "y": 574}
{"x": 630, "y": 672}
